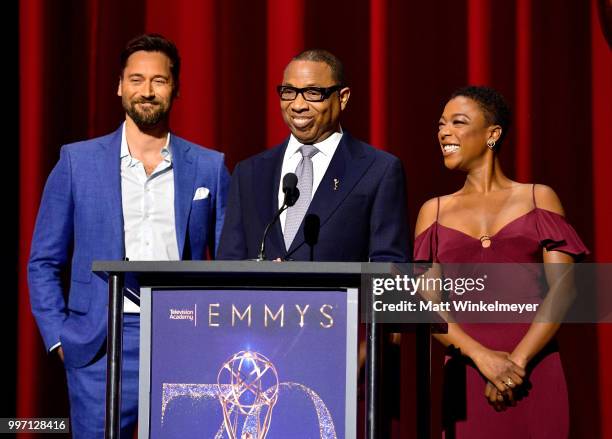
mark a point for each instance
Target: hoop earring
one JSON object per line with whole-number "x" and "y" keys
{"x": 491, "y": 144}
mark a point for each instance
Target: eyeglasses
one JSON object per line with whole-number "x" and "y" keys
{"x": 310, "y": 94}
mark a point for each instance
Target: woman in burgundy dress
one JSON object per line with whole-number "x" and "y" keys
{"x": 501, "y": 380}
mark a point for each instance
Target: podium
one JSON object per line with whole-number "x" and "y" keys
{"x": 248, "y": 345}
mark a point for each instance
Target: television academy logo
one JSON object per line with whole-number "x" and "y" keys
{"x": 188, "y": 314}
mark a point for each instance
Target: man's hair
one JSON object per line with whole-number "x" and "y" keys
{"x": 493, "y": 105}
{"x": 154, "y": 43}
{"x": 321, "y": 55}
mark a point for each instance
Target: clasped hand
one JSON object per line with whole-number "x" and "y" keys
{"x": 502, "y": 374}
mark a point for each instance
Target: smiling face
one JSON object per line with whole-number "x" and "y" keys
{"x": 463, "y": 132}
{"x": 312, "y": 122}
{"x": 146, "y": 88}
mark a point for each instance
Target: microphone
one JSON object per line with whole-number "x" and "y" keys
{"x": 292, "y": 193}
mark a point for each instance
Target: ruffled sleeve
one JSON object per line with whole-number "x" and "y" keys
{"x": 555, "y": 233}
{"x": 424, "y": 245}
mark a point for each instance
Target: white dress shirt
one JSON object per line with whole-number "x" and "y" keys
{"x": 148, "y": 210}
{"x": 320, "y": 163}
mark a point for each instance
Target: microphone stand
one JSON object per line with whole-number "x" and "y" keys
{"x": 262, "y": 249}
{"x": 292, "y": 193}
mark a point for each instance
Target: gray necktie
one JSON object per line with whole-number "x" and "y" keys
{"x": 295, "y": 214}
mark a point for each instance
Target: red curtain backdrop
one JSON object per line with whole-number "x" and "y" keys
{"x": 550, "y": 59}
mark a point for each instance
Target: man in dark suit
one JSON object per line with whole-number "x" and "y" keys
{"x": 139, "y": 193}
{"x": 355, "y": 193}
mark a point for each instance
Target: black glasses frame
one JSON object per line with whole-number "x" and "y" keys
{"x": 326, "y": 92}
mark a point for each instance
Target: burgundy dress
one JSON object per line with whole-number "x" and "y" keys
{"x": 542, "y": 410}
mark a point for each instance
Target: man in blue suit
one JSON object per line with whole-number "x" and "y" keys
{"x": 139, "y": 193}
{"x": 353, "y": 194}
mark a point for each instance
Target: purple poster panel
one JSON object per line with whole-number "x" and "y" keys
{"x": 248, "y": 364}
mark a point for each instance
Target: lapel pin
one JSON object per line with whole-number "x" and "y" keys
{"x": 336, "y": 184}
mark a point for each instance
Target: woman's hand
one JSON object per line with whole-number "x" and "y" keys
{"x": 496, "y": 398}
{"x": 499, "y": 400}
{"x": 518, "y": 360}
{"x": 499, "y": 369}
{"x": 503, "y": 375}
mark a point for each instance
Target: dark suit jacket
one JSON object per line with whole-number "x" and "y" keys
{"x": 362, "y": 219}
{"x": 81, "y": 210}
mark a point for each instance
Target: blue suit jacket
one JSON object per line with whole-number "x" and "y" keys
{"x": 362, "y": 218}
{"x": 81, "y": 211}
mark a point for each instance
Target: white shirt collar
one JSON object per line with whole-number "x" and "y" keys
{"x": 326, "y": 147}
{"x": 125, "y": 151}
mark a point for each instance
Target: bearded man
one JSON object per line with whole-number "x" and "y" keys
{"x": 139, "y": 193}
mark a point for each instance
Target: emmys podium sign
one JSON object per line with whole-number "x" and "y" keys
{"x": 248, "y": 364}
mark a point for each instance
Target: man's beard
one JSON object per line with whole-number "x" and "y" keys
{"x": 148, "y": 118}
